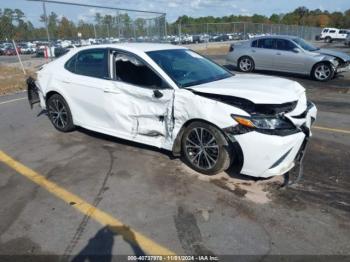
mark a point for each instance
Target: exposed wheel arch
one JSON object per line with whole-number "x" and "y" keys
{"x": 59, "y": 113}
{"x": 51, "y": 93}
{"x": 236, "y": 165}
{"x": 177, "y": 142}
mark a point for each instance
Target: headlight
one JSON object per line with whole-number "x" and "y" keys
{"x": 264, "y": 122}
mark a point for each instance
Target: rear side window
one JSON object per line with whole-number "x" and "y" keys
{"x": 70, "y": 65}
{"x": 255, "y": 43}
{"x": 266, "y": 43}
{"x": 92, "y": 63}
{"x": 285, "y": 45}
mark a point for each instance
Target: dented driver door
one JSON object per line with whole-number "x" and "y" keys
{"x": 140, "y": 102}
{"x": 141, "y": 114}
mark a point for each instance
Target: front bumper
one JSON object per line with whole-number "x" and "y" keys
{"x": 343, "y": 68}
{"x": 266, "y": 155}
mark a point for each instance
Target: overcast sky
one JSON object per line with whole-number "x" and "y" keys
{"x": 175, "y": 8}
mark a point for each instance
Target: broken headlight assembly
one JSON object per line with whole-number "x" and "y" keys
{"x": 335, "y": 62}
{"x": 264, "y": 122}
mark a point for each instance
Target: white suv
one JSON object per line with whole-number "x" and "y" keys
{"x": 331, "y": 34}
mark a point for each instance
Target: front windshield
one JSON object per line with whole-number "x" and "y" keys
{"x": 305, "y": 45}
{"x": 188, "y": 68}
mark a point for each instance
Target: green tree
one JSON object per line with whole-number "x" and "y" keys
{"x": 259, "y": 19}
{"x": 66, "y": 29}
{"x": 52, "y": 23}
{"x": 274, "y": 18}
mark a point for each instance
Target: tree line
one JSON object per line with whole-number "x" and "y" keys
{"x": 15, "y": 25}
{"x": 300, "y": 16}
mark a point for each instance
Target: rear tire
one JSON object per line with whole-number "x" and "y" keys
{"x": 246, "y": 64}
{"x": 205, "y": 149}
{"x": 59, "y": 113}
{"x": 323, "y": 72}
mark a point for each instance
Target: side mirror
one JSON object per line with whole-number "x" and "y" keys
{"x": 157, "y": 93}
{"x": 296, "y": 50}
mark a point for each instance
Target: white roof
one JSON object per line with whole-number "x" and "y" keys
{"x": 137, "y": 47}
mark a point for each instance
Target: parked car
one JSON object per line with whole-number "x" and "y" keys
{"x": 59, "y": 51}
{"x": 10, "y": 51}
{"x": 198, "y": 39}
{"x": 287, "y": 54}
{"x": 333, "y": 34}
{"x": 173, "y": 98}
{"x": 347, "y": 40}
{"x": 26, "y": 49}
{"x": 220, "y": 38}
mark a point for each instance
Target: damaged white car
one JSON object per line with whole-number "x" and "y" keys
{"x": 173, "y": 98}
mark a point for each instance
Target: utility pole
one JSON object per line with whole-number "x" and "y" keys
{"x": 165, "y": 28}
{"x": 47, "y": 29}
{"x": 95, "y": 31}
{"x": 180, "y": 31}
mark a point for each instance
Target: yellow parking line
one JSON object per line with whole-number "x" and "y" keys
{"x": 147, "y": 245}
{"x": 332, "y": 129}
{"x": 12, "y": 100}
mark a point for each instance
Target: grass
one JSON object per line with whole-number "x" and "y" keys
{"x": 213, "y": 50}
{"x": 12, "y": 79}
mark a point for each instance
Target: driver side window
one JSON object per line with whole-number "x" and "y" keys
{"x": 133, "y": 71}
{"x": 284, "y": 45}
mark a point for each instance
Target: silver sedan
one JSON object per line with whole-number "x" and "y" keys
{"x": 287, "y": 54}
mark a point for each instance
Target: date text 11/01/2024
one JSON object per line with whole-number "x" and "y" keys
{"x": 173, "y": 258}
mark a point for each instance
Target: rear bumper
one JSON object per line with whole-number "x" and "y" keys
{"x": 34, "y": 93}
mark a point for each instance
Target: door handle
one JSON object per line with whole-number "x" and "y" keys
{"x": 66, "y": 82}
{"x": 253, "y": 51}
{"x": 157, "y": 93}
{"x": 278, "y": 54}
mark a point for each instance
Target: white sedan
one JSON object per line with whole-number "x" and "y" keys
{"x": 173, "y": 98}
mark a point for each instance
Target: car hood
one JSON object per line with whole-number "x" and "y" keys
{"x": 256, "y": 88}
{"x": 340, "y": 55}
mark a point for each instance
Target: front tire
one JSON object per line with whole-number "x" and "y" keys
{"x": 328, "y": 39}
{"x": 59, "y": 113}
{"x": 246, "y": 64}
{"x": 322, "y": 72}
{"x": 205, "y": 149}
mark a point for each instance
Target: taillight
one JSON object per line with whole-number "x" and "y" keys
{"x": 231, "y": 48}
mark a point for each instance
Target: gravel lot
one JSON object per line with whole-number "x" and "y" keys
{"x": 157, "y": 195}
